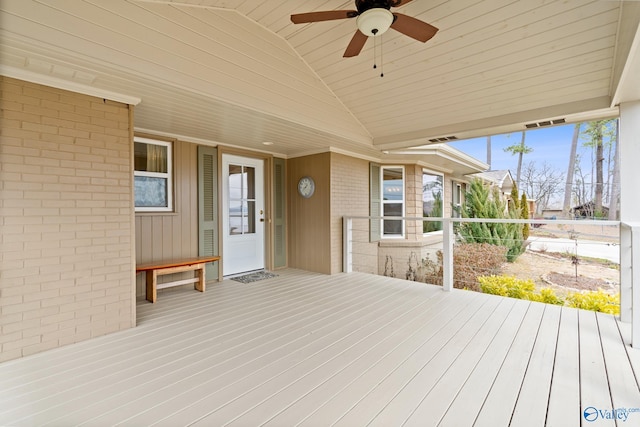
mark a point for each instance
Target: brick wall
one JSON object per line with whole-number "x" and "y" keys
{"x": 66, "y": 218}
{"x": 350, "y": 197}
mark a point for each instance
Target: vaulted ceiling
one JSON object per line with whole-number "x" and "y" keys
{"x": 240, "y": 73}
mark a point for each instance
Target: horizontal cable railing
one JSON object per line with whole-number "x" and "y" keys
{"x": 430, "y": 257}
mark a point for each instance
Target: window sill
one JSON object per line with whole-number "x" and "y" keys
{"x": 156, "y": 213}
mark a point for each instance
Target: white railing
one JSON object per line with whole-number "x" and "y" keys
{"x": 630, "y": 278}
{"x": 358, "y": 250}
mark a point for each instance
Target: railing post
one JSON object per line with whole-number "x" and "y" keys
{"x": 447, "y": 254}
{"x": 626, "y": 274}
{"x": 347, "y": 245}
{"x": 635, "y": 285}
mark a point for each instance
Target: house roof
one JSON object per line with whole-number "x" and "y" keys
{"x": 240, "y": 73}
{"x": 502, "y": 178}
{"x": 438, "y": 157}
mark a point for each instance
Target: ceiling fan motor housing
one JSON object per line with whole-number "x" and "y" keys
{"x": 364, "y": 5}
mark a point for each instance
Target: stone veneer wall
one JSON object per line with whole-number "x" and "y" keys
{"x": 66, "y": 254}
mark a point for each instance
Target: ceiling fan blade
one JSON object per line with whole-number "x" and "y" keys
{"x": 412, "y": 27}
{"x": 329, "y": 15}
{"x": 355, "y": 45}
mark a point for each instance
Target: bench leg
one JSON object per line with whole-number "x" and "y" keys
{"x": 201, "y": 284}
{"x": 152, "y": 282}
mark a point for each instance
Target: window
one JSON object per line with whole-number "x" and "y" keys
{"x": 432, "y": 189}
{"x": 456, "y": 199}
{"x": 242, "y": 199}
{"x": 393, "y": 200}
{"x": 153, "y": 184}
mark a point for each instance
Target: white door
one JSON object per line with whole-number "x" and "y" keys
{"x": 242, "y": 214}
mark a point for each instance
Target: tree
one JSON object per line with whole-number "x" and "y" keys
{"x": 524, "y": 214}
{"x": 514, "y": 200}
{"x": 519, "y": 149}
{"x": 597, "y": 134}
{"x": 615, "y": 184}
{"x": 566, "y": 205}
{"x": 481, "y": 201}
{"x": 542, "y": 183}
{"x": 579, "y": 187}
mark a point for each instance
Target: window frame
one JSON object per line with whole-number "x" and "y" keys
{"x": 457, "y": 189}
{"x": 384, "y": 202}
{"x": 168, "y": 176}
{"x": 442, "y": 193}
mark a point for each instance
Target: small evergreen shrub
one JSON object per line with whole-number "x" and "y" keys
{"x": 481, "y": 201}
{"x": 524, "y": 213}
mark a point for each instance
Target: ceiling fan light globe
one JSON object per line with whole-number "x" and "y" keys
{"x": 374, "y": 22}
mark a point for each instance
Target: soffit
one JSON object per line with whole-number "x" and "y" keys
{"x": 241, "y": 73}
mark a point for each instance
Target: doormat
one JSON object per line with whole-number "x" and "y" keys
{"x": 254, "y": 277}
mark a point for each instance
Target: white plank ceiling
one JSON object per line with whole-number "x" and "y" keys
{"x": 240, "y": 73}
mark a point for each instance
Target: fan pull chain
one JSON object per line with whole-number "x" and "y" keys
{"x": 375, "y": 43}
{"x": 381, "y": 59}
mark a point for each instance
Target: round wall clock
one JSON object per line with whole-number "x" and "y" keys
{"x": 306, "y": 186}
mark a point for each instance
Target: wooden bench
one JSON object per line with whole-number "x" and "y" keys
{"x": 160, "y": 268}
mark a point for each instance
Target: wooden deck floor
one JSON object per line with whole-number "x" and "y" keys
{"x": 346, "y": 350}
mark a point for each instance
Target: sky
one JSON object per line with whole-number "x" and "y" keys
{"x": 551, "y": 144}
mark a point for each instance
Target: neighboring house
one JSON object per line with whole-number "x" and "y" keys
{"x": 500, "y": 179}
{"x": 588, "y": 210}
{"x": 134, "y": 131}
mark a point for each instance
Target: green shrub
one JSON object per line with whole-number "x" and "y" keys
{"x": 547, "y": 296}
{"x": 508, "y": 286}
{"x": 481, "y": 201}
{"x": 512, "y": 287}
{"x": 595, "y": 301}
{"x": 524, "y": 214}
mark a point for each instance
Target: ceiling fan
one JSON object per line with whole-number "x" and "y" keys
{"x": 374, "y": 17}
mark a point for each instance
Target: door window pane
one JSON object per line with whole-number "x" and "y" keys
{"x": 242, "y": 204}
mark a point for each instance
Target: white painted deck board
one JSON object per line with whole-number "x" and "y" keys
{"x": 224, "y": 359}
{"x": 189, "y": 337}
{"x": 439, "y": 352}
{"x": 435, "y": 402}
{"x": 448, "y": 319}
{"x": 622, "y": 382}
{"x": 497, "y": 408}
{"x": 531, "y": 406}
{"x": 594, "y": 387}
{"x": 249, "y": 390}
{"x": 316, "y": 350}
{"x": 564, "y": 398}
{"x": 367, "y": 365}
{"x": 461, "y": 408}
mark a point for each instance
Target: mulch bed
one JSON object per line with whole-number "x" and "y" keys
{"x": 580, "y": 283}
